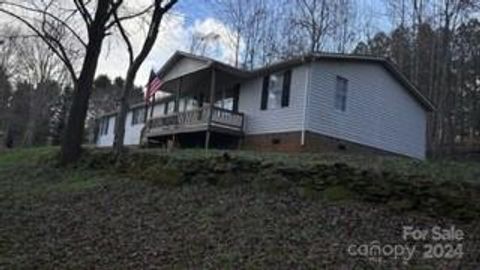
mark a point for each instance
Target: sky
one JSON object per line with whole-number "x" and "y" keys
{"x": 176, "y": 29}
{"x": 197, "y": 16}
{"x": 187, "y": 17}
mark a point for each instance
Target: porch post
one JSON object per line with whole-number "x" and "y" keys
{"x": 176, "y": 108}
{"x": 177, "y": 95}
{"x": 153, "y": 107}
{"x": 212, "y": 99}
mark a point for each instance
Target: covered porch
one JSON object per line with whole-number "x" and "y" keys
{"x": 202, "y": 106}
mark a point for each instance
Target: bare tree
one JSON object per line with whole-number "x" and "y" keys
{"x": 8, "y": 37}
{"x": 314, "y": 19}
{"x": 160, "y": 7}
{"x": 74, "y": 30}
{"x": 343, "y": 24}
{"x": 257, "y": 29}
{"x": 38, "y": 66}
{"x": 233, "y": 14}
{"x": 200, "y": 42}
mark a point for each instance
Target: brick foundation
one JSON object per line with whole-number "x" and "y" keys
{"x": 314, "y": 142}
{"x": 281, "y": 142}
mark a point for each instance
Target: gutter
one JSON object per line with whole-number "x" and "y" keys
{"x": 305, "y": 111}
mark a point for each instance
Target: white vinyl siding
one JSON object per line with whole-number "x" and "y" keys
{"x": 284, "y": 119}
{"x": 132, "y": 132}
{"x": 184, "y": 66}
{"x": 380, "y": 112}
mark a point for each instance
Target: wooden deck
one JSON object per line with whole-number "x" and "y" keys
{"x": 207, "y": 118}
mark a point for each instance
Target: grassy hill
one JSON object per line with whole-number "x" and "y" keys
{"x": 189, "y": 209}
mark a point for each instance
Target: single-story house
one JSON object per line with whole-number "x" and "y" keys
{"x": 320, "y": 102}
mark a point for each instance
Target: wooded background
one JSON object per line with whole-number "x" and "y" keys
{"x": 435, "y": 43}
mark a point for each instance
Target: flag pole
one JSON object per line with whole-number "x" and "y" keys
{"x": 145, "y": 113}
{"x": 153, "y": 106}
{"x": 147, "y": 97}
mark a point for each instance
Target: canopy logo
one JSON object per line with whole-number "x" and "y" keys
{"x": 431, "y": 243}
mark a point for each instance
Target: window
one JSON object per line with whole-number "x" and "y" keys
{"x": 169, "y": 107}
{"x": 104, "y": 122}
{"x": 341, "y": 94}
{"x": 225, "y": 103}
{"x": 138, "y": 116}
{"x": 159, "y": 110}
{"x": 192, "y": 103}
{"x": 182, "y": 103}
{"x": 276, "y": 90}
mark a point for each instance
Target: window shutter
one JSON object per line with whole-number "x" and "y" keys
{"x": 133, "y": 117}
{"x": 106, "y": 125}
{"x": 287, "y": 77}
{"x": 236, "y": 97}
{"x": 263, "y": 104}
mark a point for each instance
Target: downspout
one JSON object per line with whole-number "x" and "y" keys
{"x": 305, "y": 103}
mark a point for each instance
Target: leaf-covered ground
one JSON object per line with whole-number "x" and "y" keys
{"x": 53, "y": 218}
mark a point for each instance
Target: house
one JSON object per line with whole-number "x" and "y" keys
{"x": 320, "y": 102}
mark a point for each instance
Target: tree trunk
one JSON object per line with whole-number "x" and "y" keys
{"x": 30, "y": 130}
{"x": 135, "y": 64}
{"x": 121, "y": 118}
{"x": 73, "y": 137}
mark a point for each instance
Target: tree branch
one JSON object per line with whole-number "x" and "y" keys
{"x": 50, "y": 15}
{"x": 82, "y": 9}
{"x": 68, "y": 64}
{"x": 129, "y": 17}
{"x": 124, "y": 36}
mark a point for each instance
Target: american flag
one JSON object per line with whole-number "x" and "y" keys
{"x": 154, "y": 85}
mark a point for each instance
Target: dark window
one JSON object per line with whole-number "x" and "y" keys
{"x": 200, "y": 100}
{"x": 138, "y": 116}
{"x": 341, "y": 90}
{"x": 104, "y": 122}
{"x": 236, "y": 97}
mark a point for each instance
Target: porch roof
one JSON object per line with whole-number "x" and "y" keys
{"x": 197, "y": 74}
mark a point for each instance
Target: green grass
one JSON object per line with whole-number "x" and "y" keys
{"x": 27, "y": 173}
{"x": 27, "y": 155}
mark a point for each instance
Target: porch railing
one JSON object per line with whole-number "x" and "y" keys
{"x": 205, "y": 116}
